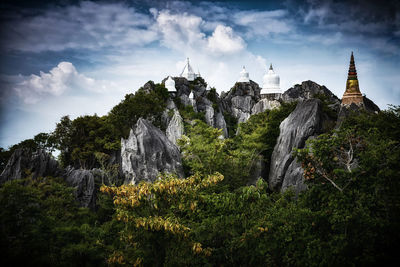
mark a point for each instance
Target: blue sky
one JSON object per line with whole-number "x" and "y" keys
{"x": 81, "y": 57}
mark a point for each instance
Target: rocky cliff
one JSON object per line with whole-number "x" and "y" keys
{"x": 239, "y": 101}
{"x": 301, "y": 124}
{"x": 24, "y": 162}
{"x": 147, "y": 152}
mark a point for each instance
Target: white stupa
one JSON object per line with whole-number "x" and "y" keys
{"x": 271, "y": 88}
{"x": 244, "y": 76}
{"x": 191, "y": 95}
{"x": 170, "y": 85}
{"x": 188, "y": 72}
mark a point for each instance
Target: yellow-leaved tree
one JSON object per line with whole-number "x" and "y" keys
{"x": 156, "y": 215}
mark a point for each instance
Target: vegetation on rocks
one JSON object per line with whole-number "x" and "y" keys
{"x": 349, "y": 215}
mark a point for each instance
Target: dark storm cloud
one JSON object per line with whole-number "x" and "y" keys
{"x": 374, "y": 23}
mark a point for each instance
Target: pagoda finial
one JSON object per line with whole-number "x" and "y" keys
{"x": 270, "y": 67}
{"x": 352, "y": 93}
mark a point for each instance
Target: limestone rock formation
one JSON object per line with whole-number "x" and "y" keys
{"x": 148, "y": 152}
{"x": 265, "y": 104}
{"x": 305, "y": 121}
{"x": 23, "y": 161}
{"x": 220, "y": 123}
{"x": 239, "y": 101}
{"x": 83, "y": 181}
{"x": 307, "y": 90}
{"x": 175, "y": 128}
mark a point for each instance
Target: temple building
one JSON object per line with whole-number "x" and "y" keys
{"x": 271, "y": 89}
{"x": 244, "y": 76}
{"x": 170, "y": 85}
{"x": 188, "y": 72}
{"x": 352, "y": 93}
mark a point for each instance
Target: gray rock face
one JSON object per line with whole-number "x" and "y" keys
{"x": 148, "y": 152}
{"x": 39, "y": 163}
{"x": 209, "y": 114}
{"x": 307, "y": 90}
{"x": 220, "y": 123}
{"x": 240, "y": 100}
{"x": 305, "y": 121}
{"x": 263, "y": 105}
{"x": 175, "y": 128}
{"x": 84, "y": 183}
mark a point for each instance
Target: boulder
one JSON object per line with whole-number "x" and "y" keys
{"x": 83, "y": 181}
{"x": 147, "y": 152}
{"x": 175, "y": 128}
{"x": 305, "y": 121}
{"x": 24, "y": 162}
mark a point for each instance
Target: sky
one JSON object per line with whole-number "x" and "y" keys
{"x": 79, "y": 58}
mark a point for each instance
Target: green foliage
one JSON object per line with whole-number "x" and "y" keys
{"x": 213, "y": 97}
{"x": 231, "y": 124}
{"x": 79, "y": 139}
{"x": 206, "y": 152}
{"x": 188, "y": 114}
{"x": 146, "y": 104}
{"x": 353, "y": 179}
{"x": 260, "y": 132}
{"x": 41, "y": 225}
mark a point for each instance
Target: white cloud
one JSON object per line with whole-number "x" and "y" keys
{"x": 180, "y": 30}
{"x": 262, "y": 23}
{"x": 59, "y": 79}
{"x": 223, "y": 40}
{"x": 185, "y": 33}
{"x": 88, "y": 25}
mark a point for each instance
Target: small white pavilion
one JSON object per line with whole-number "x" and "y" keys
{"x": 170, "y": 85}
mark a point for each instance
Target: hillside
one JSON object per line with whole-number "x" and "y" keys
{"x": 196, "y": 178}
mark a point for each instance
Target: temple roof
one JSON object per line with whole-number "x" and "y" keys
{"x": 188, "y": 72}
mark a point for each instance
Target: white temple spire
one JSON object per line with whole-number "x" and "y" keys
{"x": 244, "y": 76}
{"x": 271, "y": 88}
{"x": 188, "y": 72}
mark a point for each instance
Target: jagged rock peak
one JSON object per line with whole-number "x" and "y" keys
{"x": 307, "y": 90}
{"x": 175, "y": 127}
{"x": 242, "y": 89}
{"x": 240, "y": 100}
{"x": 38, "y": 163}
{"x": 304, "y": 122}
{"x": 147, "y": 152}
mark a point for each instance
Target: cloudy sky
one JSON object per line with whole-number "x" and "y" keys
{"x": 81, "y": 57}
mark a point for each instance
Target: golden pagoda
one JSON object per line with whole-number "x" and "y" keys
{"x": 352, "y": 93}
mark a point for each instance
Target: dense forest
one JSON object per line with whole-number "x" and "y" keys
{"x": 349, "y": 215}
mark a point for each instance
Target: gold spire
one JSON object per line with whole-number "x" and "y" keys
{"x": 352, "y": 93}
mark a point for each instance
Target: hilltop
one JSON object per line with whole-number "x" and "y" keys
{"x": 191, "y": 177}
